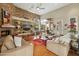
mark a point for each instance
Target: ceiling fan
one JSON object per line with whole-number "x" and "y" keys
{"x": 38, "y": 6}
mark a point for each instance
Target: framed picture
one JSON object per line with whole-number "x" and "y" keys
{"x": 5, "y": 16}
{"x": 73, "y": 21}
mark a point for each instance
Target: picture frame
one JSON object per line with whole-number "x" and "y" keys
{"x": 5, "y": 16}
{"x": 74, "y": 19}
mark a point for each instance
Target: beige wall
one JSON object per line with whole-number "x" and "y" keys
{"x": 63, "y": 14}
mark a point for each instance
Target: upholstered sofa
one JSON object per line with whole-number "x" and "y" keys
{"x": 16, "y": 47}
{"x": 58, "y": 48}
{"x": 25, "y": 50}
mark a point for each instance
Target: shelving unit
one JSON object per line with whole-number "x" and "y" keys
{"x": 22, "y": 21}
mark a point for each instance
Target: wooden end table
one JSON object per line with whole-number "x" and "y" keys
{"x": 0, "y": 47}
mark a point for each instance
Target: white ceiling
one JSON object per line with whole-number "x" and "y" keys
{"x": 44, "y": 7}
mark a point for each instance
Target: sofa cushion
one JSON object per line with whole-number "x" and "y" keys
{"x": 56, "y": 40}
{"x": 8, "y": 42}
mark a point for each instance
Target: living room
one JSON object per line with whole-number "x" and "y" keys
{"x": 39, "y": 29}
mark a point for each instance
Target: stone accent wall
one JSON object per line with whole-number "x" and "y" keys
{"x": 15, "y": 11}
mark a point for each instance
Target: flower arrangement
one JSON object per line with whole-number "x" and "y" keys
{"x": 72, "y": 27}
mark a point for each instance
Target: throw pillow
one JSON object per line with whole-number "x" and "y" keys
{"x": 56, "y": 40}
{"x": 17, "y": 41}
{"x": 7, "y": 43}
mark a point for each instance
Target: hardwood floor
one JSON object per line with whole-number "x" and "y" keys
{"x": 40, "y": 50}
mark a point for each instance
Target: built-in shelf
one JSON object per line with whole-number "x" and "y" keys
{"x": 21, "y": 19}
{"x": 7, "y": 26}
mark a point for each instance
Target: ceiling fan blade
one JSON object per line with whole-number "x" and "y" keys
{"x": 42, "y": 8}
